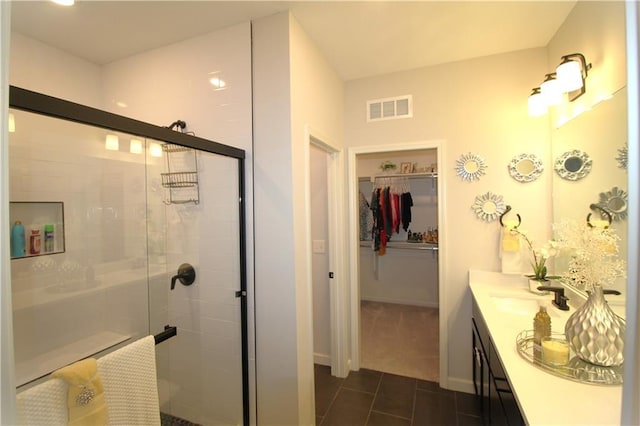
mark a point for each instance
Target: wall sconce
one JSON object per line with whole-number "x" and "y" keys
{"x": 111, "y": 143}
{"x": 537, "y": 103}
{"x": 550, "y": 90}
{"x": 569, "y": 79}
{"x": 572, "y": 72}
{"x": 12, "y": 123}
{"x": 135, "y": 146}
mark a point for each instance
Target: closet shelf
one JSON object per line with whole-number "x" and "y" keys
{"x": 432, "y": 175}
{"x": 405, "y": 245}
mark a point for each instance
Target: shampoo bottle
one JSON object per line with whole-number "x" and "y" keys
{"x": 541, "y": 329}
{"x": 48, "y": 238}
{"x": 17, "y": 240}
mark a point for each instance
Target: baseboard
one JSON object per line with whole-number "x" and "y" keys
{"x": 460, "y": 385}
{"x": 401, "y": 302}
{"x": 322, "y": 359}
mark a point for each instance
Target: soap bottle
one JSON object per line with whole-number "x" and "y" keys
{"x": 17, "y": 240}
{"x": 541, "y": 329}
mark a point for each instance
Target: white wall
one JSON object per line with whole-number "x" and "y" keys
{"x": 45, "y": 69}
{"x": 478, "y": 106}
{"x": 294, "y": 89}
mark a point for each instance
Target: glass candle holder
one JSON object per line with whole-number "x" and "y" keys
{"x": 555, "y": 351}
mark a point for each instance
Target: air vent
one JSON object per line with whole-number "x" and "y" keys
{"x": 390, "y": 108}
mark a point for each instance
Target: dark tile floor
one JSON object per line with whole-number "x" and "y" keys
{"x": 372, "y": 398}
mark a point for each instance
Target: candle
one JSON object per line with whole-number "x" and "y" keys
{"x": 555, "y": 351}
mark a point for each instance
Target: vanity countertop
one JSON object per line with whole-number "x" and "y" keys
{"x": 544, "y": 399}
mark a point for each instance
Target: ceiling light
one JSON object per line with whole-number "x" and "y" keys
{"x": 64, "y": 2}
{"x": 12, "y": 123}
{"x": 218, "y": 83}
{"x": 111, "y": 143}
{"x": 135, "y": 146}
{"x": 537, "y": 103}
{"x": 572, "y": 72}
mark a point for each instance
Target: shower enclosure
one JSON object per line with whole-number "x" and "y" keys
{"x": 112, "y": 212}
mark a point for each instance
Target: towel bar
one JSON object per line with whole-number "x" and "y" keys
{"x": 169, "y": 332}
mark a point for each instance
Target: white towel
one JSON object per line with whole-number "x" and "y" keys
{"x": 130, "y": 384}
{"x": 130, "y": 390}
{"x": 43, "y": 405}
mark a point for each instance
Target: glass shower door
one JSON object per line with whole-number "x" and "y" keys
{"x": 193, "y": 215}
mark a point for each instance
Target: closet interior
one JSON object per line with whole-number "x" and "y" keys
{"x": 398, "y": 264}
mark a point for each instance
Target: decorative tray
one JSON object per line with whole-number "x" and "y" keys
{"x": 576, "y": 370}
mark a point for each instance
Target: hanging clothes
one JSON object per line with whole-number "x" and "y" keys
{"x": 406, "y": 204}
{"x": 366, "y": 218}
{"x": 390, "y": 207}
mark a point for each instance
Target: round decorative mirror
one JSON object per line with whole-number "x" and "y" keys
{"x": 623, "y": 157}
{"x": 470, "y": 167}
{"x": 573, "y": 165}
{"x": 525, "y": 167}
{"x": 489, "y": 206}
{"x": 615, "y": 203}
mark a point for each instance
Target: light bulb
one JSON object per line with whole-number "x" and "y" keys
{"x": 12, "y": 123}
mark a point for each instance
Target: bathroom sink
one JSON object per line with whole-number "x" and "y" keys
{"x": 525, "y": 305}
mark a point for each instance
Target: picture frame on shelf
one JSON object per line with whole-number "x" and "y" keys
{"x": 405, "y": 168}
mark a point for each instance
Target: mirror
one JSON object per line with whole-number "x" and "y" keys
{"x": 598, "y": 177}
{"x": 489, "y": 206}
{"x": 573, "y": 165}
{"x": 470, "y": 167}
{"x": 525, "y": 167}
{"x": 614, "y": 202}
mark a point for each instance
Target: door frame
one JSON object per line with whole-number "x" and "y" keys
{"x": 354, "y": 247}
{"x": 338, "y": 291}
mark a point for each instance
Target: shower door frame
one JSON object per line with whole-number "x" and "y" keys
{"x": 27, "y": 100}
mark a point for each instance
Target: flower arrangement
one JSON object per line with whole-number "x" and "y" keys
{"x": 539, "y": 257}
{"x": 593, "y": 254}
{"x": 387, "y": 166}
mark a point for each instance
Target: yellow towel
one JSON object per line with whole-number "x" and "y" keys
{"x": 85, "y": 400}
{"x": 510, "y": 239}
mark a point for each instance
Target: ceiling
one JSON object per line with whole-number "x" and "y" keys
{"x": 359, "y": 39}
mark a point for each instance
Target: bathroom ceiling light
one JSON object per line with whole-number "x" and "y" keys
{"x": 537, "y": 103}
{"x": 64, "y": 2}
{"x": 111, "y": 143}
{"x": 551, "y": 90}
{"x": 218, "y": 83}
{"x": 12, "y": 123}
{"x": 571, "y": 74}
{"x": 135, "y": 146}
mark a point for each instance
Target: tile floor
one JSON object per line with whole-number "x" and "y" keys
{"x": 400, "y": 339}
{"x": 372, "y": 398}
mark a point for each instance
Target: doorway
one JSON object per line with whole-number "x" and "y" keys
{"x": 386, "y": 292}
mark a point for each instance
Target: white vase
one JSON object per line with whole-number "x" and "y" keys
{"x": 534, "y": 284}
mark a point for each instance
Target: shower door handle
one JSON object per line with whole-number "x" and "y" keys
{"x": 186, "y": 274}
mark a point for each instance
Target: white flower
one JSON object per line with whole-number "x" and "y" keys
{"x": 593, "y": 254}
